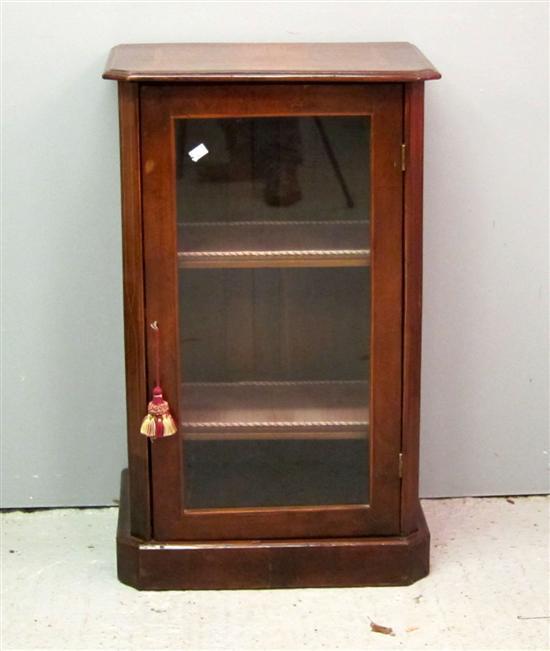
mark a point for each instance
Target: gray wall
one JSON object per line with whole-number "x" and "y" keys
{"x": 485, "y": 380}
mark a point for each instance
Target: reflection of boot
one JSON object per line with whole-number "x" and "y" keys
{"x": 281, "y": 186}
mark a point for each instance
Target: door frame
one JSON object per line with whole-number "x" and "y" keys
{"x": 160, "y": 105}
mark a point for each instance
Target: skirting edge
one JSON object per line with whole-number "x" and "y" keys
{"x": 256, "y": 564}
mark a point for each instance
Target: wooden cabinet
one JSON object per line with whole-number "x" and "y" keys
{"x": 272, "y": 208}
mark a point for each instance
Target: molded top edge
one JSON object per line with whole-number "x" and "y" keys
{"x": 178, "y": 62}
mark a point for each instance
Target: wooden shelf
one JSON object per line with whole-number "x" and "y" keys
{"x": 274, "y": 244}
{"x": 275, "y": 410}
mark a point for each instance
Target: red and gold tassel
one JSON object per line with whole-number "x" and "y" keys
{"x": 159, "y": 422}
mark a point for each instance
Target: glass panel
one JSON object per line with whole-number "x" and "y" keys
{"x": 274, "y": 302}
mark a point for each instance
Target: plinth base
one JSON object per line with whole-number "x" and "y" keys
{"x": 305, "y": 563}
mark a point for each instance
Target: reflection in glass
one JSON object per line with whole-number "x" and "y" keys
{"x": 274, "y": 302}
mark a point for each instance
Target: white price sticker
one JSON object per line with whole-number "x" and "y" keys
{"x": 198, "y": 152}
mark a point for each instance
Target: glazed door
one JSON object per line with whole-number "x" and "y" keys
{"x": 273, "y": 266}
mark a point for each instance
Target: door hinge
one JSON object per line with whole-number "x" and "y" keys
{"x": 403, "y": 157}
{"x": 400, "y": 466}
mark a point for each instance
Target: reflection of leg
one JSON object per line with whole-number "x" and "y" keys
{"x": 280, "y": 151}
{"x": 237, "y": 134}
{"x": 282, "y": 187}
{"x": 181, "y": 142}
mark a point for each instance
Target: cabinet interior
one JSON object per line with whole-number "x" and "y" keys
{"x": 274, "y": 294}
{"x": 275, "y": 368}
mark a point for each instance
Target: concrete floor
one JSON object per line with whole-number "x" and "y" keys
{"x": 488, "y": 589}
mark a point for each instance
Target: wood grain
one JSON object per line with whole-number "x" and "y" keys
{"x": 335, "y": 62}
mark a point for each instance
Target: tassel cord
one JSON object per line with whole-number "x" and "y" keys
{"x": 157, "y": 354}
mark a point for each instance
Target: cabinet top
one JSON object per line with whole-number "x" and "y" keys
{"x": 381, "y": 62}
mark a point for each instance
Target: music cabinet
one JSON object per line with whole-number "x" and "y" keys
{"x": 272, "y": 212}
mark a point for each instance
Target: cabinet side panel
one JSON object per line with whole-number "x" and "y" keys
{"x": 136, "y": 386}
{"x": 414, "y": 136}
